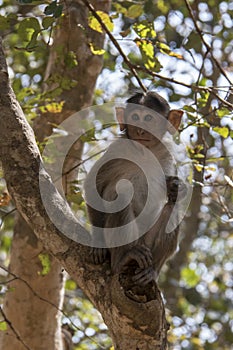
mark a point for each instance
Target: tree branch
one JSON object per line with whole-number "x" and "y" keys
{"x": 131, "y": 322}
{"x": 115, "y": 43}
{"x": 13, "y": 329}
{"x": 207, "y": 46}
{"x": 134, "y": 68}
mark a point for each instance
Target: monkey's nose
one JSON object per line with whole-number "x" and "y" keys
{"x": 140, "y": 131}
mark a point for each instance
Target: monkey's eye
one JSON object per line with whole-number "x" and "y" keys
{"x": 148, "y": 118}
{"x": 135, "y": 117}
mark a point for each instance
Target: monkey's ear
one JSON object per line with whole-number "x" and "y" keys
{"x": 120, "y": 112}
{"x": 174, "y": 117}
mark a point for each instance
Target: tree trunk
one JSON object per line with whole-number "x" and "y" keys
{"x": 33, "y": 299}
{"x": 32, "y": 309}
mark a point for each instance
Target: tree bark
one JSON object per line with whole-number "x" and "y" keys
{"x": 31, "y": 308}
{"x": 39, "y": 325}
{"x": 135, "y": 318}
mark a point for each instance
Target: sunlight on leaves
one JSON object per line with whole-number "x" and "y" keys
{"x": 145, "y": 30}
{"x": 3, "y": 326}
{"x": 190, "y": 277}
{"x": 105, "y": 18}
{"x": 96, "y": 51}
{"x": 46, "y": 264}
{"x": 134, "y": 11}
{"x": 223, "y": 131}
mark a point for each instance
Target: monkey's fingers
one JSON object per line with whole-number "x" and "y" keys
{"x": 143, "y": 256}
{"x": 145, "y": 276}
{"x": 98, "y": 255}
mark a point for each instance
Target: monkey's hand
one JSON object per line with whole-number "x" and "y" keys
{"x": 140, "y": 253}
{"x": 98, "y": 255}
{"x": 144, "y": 276}
{"x": 174, "y": 185}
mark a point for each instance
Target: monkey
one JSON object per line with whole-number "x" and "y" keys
{"x": 144, "y": 121}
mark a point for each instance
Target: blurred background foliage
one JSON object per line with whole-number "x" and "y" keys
{"x": 183, "y": 50}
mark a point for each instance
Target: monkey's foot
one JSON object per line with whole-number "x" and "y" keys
{"x": 140, "y": 253}
{"x": 144, "y": 276}
{"x": 98, "y": 255}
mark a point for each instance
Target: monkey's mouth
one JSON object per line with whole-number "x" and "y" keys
{"x": 142, "y": 140}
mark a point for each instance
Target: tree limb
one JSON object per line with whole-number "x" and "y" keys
{"x": 132, "y": 323}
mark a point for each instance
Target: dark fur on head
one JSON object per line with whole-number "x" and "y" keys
{"x": 151, "y": 100}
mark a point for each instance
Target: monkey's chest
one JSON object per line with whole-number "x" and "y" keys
{"x": 142, "y": 189}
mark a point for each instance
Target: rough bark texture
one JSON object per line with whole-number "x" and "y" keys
{"x": 39, "y": 325}
{"x": 135, "y": 318}
{"x": 33, "y": 300}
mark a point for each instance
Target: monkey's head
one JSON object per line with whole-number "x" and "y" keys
{"x": 145, "y": 112}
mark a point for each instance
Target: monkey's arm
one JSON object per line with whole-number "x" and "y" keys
{"x": 97, "y": 255}
{"x": 96, "y": 217}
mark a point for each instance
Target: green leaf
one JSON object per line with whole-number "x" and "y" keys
{"x": 120, "y": 9}
{"x": 223, "y": 112}
{"x": 54, "y": 9}
{"x": 71, "y": 59}
{"x": 47, "y": 22}
{"x": 76, "y": 197}
{"x": 164, "y": 48}
{"x": 96, "y": 51}
{"x": 27, "y": 27}
{"x": 188, "y": 108}
{"x": 49, "y": 10}
{"x": 105, "y": 18}
{"x": 198, "y": 167}
{"x": 70, "y": 285}
{"x": 223, "y": 131}
{"x": 88, "y": 136}
{"x": 190, "y": 277}
{"x": 147, "y": 51}
{"x": 4, "y": 23}
{"x": 58, "y": 11}
{"x": 162, "y": 6}
{"x": 145, "y": 30}
{"x": 28, "y": 31}
{"x": 46, "y": 264}
{"x": 33, "y": 42}
{"x": 199, "y": 155}
{"x": 3, "y": 326}
{"x": 134, "y": 11}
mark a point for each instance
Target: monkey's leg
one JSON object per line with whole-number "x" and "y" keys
{"x": 165, "y": 243}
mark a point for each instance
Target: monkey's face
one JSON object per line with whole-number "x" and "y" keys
{"x": 140, "y": 123}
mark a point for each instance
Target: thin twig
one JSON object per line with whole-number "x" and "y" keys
{"x": 13, "y": 329}
{"x": 208, "y": 47}
{"x": 5, "y": 215}
{"x": 134, "y": 68}
{"x": 46, "y": 301}
{"x": 189, "y": 86}
{"x": 115, "y": 43}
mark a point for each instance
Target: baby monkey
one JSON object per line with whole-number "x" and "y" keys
{"x": 147, "y": 164}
